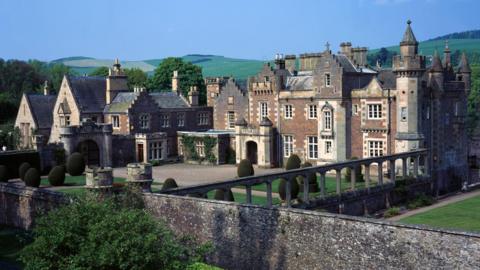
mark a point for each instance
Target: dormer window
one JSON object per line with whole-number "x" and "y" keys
{"x": 144, "y": 121}
{"x": 328, "y": 81}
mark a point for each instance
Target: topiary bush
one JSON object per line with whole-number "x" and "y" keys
{"x": 169, "y": 183}
{"x": 22, "y": 170}
{"x": 75, "y": 164}
{"x": 312, "y": 183}
{"x": 293, "y": 162}
{"x": 358, "y": 173}
{"x": 245, "y": 168}
{"x": 220, "y": 195}
{"x": 3, "y": 173}
{"x": 282, "y": 189}
{"x": 56, "y": 177}
{"x": 307, "y": 165}
{"x": 32, "y": 178}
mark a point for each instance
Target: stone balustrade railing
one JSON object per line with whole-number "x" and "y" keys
{"x": 416, "y": 157}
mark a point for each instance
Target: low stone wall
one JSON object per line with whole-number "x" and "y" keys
{"x": 254, "y": 237}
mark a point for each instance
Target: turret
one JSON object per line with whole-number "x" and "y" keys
{"x": 464, "y": 72}
{"x": 116, "y": 82}
{"x": 409, "y": 44}
{"x": 447, "y": 56}
{"x": 436, "y": 71}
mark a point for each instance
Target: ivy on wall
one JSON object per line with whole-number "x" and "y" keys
{"x": 190, "y": 151}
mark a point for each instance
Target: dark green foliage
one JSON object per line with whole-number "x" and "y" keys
{"x": 88, "y": 234}
{"x": 471, "y": 34}
{"x": 75, "y": 164}
{"x": 245, "y": 168}
{"x": 22, "y": 170}
{"x": 197, "y": 195}
{"x": 169, "y": 184}
{"x": 231, "y": 156}
{"x": 312, "y": 183}
{"x": 32, "y": 178}
{"x": 220, "y": 195}
{"x": 421, "y": 201}
{"x": 391, "y": 212}
{"x": 307, "y": 165}
{"x": 59, "y": 154}
{"x": 473, "y": 101}
{"x": 100, "y": 72}
{"x": 13, "y": 159}
{"x": 56, "y": 177}
{"x": 358, "y": 173}
{"x": 293, "y": 162}
{"x": 3, "y": 173}
{"x": 282, "y": 189}
{"x": 136, "y": 77}
{"x": 383, "y": 56}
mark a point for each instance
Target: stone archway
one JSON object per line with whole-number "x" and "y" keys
{"x": 252, "y": 152}
{"x": 90, "y": 151}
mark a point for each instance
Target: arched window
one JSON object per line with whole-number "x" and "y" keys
{"x": 144, "y": 121}
{"x": 327, "y": 117}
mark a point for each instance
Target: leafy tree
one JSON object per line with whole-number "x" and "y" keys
{"x": 100, "y": 71}
{"x": 190, "y": 75}
{"x": 473, "y": 103}
{"x": 136, "y": 77}
{"x": 88, "y": 234}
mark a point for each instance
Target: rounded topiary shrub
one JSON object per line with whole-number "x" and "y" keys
{"x": 32, "y": 178}
{"x": 22, "y": 170}
{"x": 312, "y": 183}
{"x": 245, "y": 168}
{"x": 3, "y": 173}
{"x": 220, "y": 195}
{"x": 293, "y": 162}
{"x": 282, "y": 189}
{"x": 56, "y": 177}
{"x": 75, "y": 164}
{"x": 169, "y": 184}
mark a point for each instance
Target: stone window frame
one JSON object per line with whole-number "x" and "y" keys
{"x": 203, "y": 118}
{"x": 327, "y": 120}
{"x": 288, "y": 145}
{"x": 288, "y": 111}
{"x": 231, "y": 100}
{"x": 181, "y": 119}
{"x": 200, "y": 148}
{"x": 165, "y": 120}
{"x": 354, "y": 109}
{"x": 328, "y": 147}
{"x": 155, "y": 149}
{"x": 403, "y": 114}
{"x": 312, "y": 147}
{"x": 263, "y": 111}
{"x": 374, "y": 110}
{"x": 375, "y": 147}
{"x": 144, "y": 120}
{"x": 115, "y": 119}
{"x": 312, "y": 114}
{"x": 328, "y": 79}
{"x": 231, "y": 119}
{"x": 65, "y": 120}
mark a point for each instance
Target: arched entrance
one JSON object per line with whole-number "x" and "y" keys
{"x": 89, "y": 150}
{"x": 252, "y": 152}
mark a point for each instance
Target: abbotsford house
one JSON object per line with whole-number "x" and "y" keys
{"x": 324, "y": 107}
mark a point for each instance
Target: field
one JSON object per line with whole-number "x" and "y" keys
{"x": 463, "y": 215}
{"x": 429, "y": 47}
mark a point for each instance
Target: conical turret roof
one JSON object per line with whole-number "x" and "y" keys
{"x": 464, "y": 67}
{"x": 408, "y": 36}
{"x": 436, "y": 63}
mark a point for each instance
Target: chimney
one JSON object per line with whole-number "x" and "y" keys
{"x": 279, "y": 61}
{"x": 46, "y": 89}
{"x": 360, "y": 56}
{"x": 193, "y": 96}
{"x": 175, "y": 81}
{"x": 290, "y": 63}
{"x": 116, "y": 82}
{"x": 346, "y": 49}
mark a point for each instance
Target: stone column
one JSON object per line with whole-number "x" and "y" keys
{"x": 99, "y": 179}
{"x": 140, "y": 175}
{"x": 107, "y": 150}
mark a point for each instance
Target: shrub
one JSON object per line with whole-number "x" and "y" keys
{"x": 32, "y": 178}
{"x": 202, "y": 266}
{"x": 307, "y": 164}
{"x": 220, "y": 195}
{"x": 88, "y": 234}
{"x": 12, "y": 159}
{"x": 169, "y": 183}
{"x": 421, "y": 201}
{"x": 358, "y": 173}
{"x": 75, "y": 164}
{"x": 312, "y": 183}
{"x": 293, "y": 162}
{"x": 245, "y": 168}
{"x": 393, "y": 211}
{"x": 282, "y": 189}
{"x": 3, "y": 173}
{"x": 56, "y": 177}
{"x": 155, "y": 162}
{"x": 22, "y": 170}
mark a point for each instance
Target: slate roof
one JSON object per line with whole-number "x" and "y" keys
{"x": 89, "y": 92}
{"x": 387, "y": 78}
{"x": 121, "y": 102}
{"x": 169, "y": 100}
{"x": 464, "y": 67}
{"x": 303, "y": 81}
{"x": 348, "y": 65}
{"x": 42, "y": 109}
{"x": 436, "y": 63}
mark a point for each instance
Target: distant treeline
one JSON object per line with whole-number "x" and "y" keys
{"x": 472, "y": 34}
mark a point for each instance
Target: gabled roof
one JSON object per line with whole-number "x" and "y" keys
{"x": 42, "y": 108}
{"x": 408, "y": 36}
{"x": 350, "y": 67}
{"x": 387, "y": 78}
{"x": 89, "y": 92}
{"x": 121, "y": 102}
{"x": 169, "y": 100}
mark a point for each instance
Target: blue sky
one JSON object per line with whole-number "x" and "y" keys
{"x": 253, "y": 29}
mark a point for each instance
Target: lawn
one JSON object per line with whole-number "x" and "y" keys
{"x": 463, "y": 215}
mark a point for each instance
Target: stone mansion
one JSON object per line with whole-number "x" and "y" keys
{"x": 324, "y": 107}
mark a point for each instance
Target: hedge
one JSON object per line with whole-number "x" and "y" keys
{"x": 13, "y": 159}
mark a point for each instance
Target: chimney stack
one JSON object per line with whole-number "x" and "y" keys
{"x": 279, "y": 61}
{"x": 290, "y": 63}
{"x": 346, "y": 49}
{"x": 175, "y": 81}
{"x": 46, "y": 89}
{"x": 193, "y": 96}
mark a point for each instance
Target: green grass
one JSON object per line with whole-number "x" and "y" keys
{"x": 10, "y": 245}
{"x": 463, "y": 215}
{"x": 429, "y": 47}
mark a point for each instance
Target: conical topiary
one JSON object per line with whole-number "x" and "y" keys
{"x": 312, "y": 183}
{"x": 56, "y": 177}
{"x": 3, "y": 173}
{"x": 22, "y": 170}
{"x": 169, "y": 184}
{"x": 282, "y": 189}
{"x": 220, "y": 195}
{"x": 32, "y": 178}
{"x": 75, "y": 164}
{"x": 245, "y": 168}
{"x": 293, "y": 162}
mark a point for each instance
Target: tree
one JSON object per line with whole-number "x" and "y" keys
{"x": 88, "y": 234}
{"x": 136, "y": 77}
{"x": 190, "y": 75}
{"x": 100, "y": 71}
{"x": 473, "y": 110}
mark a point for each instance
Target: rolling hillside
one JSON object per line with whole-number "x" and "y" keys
{"x": 428, "y": 47}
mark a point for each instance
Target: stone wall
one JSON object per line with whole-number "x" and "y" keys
{"x": 254, "y": 237}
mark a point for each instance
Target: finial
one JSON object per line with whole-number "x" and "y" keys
{"x": 116, "y": 61}
{"x": 327, "y": 46}
{"x": 409, "y": 22}
{"x": 446, "y": 44}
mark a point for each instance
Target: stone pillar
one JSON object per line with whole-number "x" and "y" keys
{"x": 99, "y": 179}
{"x": 107, "y": 150}
{"x": 265, "y": 144}
{"x": 140, "y": 175}
{"x": 67, "y": 137}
